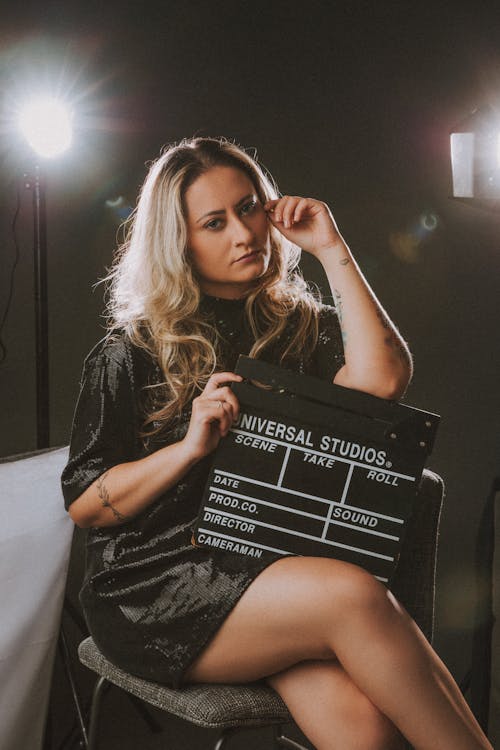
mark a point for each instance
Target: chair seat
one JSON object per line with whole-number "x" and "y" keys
{"x": 208, "y": 705}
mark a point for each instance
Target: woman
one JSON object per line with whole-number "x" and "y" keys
{"x": 208, "y": 272}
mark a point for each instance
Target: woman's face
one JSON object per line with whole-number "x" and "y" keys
{"x": 228, "y": 232}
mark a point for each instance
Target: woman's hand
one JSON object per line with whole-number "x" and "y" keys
{"x": 306, "y": 222}
{"x": 127, "y": 489}
{"x": 213, "y": 413}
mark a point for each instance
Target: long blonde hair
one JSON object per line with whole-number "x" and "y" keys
{"x": 153, "y": 294}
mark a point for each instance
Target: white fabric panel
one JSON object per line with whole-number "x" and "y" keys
{"x": 35, "y": 542}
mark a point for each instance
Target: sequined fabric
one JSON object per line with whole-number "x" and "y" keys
{"x": 151, "y": 599}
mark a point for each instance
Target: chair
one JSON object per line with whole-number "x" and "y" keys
{"x": 232, "y": 708}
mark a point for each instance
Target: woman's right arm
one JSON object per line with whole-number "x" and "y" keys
{"x": 123, "y": 491}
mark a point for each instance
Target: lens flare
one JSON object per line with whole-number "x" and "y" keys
{"x": 120, "y": 208}
{"x": 46, "y": 123}
{"x": 407, "y": 244}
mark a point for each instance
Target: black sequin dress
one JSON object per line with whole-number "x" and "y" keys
{"x": 151, "y": 599}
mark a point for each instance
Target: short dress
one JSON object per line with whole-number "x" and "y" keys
{"x": 151, "y": 599}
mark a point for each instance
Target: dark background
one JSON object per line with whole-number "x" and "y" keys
{"x": 348, "y": 102}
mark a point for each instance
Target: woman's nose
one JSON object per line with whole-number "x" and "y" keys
{"x": 243, "y": 234}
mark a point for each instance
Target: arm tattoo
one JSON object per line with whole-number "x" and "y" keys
{"x": 392, "y": 339}
{"x": 337, "y": 298}
{"x": 103, "y": 493}
{"x": 395, "y": 343}
{"x": 344, "y": 261}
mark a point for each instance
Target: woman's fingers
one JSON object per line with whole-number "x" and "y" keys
{"x": 213, "y": 410}
{"x": 212, "y": 414}
{"x": 290, "y": 209}
{"x": 299, "y": 209}
{"x": 209, "y": 422}
{"x": 307, "y": 222}
{"x": 219, "y": 393}
{"x": 226, "y": 419}
{"x": 228, "y": 399}
{"x": 218, "y": 379}
{"x": 206, "y": 411}
{"x": 281, "y": 210}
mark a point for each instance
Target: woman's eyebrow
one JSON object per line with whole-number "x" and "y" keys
{"x": 222, "y": 211}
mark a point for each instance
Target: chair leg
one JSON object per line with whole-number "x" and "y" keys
{"x": 145, "y": 715}
{"x": 226, "y": 735}
{"x": 100, "y": 688}
{"x": 66, "y": 660}
{"x": 282, "y": 741}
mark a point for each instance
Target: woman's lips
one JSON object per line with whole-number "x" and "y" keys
{"x": 248, "y": 257}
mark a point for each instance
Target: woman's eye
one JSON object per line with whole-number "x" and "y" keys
{"x": 214, "y": 224}
{"x": 248, "y": 207}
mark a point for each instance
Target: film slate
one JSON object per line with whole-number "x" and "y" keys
{"x": 312, "y": 468}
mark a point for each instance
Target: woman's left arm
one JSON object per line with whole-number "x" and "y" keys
{"x": 377, "y": 359}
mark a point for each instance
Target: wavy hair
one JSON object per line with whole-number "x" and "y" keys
{"x": 154, "y": 296}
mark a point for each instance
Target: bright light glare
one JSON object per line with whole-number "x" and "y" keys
{"x": 498, "y": 150}
{"x": 46, "y": 123}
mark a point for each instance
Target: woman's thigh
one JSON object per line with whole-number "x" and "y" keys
{"x": 286, "y": 615}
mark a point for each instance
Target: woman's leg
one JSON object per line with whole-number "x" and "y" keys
{"x": 302, "y": 608}
{"x": 331, "y": 711}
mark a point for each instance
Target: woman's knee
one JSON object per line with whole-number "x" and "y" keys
{"x": 356, "y": 593}
{"x": 325, "y": 595}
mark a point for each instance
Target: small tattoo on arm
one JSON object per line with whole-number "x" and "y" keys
{"x": 402, "y": 352}
{"x": 337, "y": 298}
{"x": 344, "y": 261}
{"x": 103, "y": 493}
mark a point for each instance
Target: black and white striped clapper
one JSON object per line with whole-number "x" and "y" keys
{"x": 313, "y": 468}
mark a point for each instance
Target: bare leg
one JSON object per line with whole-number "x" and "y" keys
{"x": 303, "y": 608}
{"x": 331, "y": 711}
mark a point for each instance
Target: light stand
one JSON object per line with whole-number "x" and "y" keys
{"x": 37, "y": 185}
{"x": 46, "y": 124}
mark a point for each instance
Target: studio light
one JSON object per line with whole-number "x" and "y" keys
{"x": 475, "y": 159}
{"x": 46, "y": 123}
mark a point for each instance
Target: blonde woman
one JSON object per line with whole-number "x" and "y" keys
{"x": 209, "y": 272}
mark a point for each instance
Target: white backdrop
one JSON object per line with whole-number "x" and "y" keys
{"x": 35, "y": 542}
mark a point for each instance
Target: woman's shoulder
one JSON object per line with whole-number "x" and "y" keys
{"x": 118, "y": 351}
{"x": 113, "y": 345}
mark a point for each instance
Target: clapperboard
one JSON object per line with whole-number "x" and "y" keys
{"x": 313, "y": 468}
